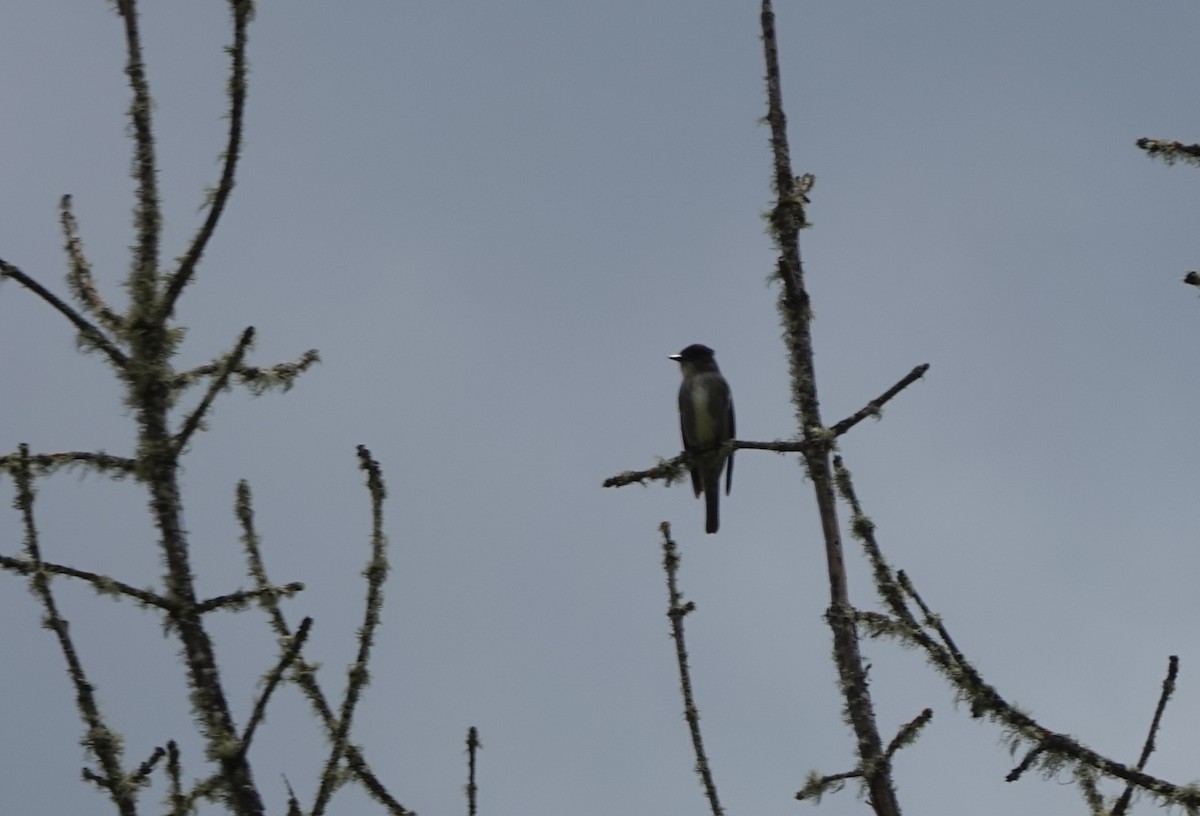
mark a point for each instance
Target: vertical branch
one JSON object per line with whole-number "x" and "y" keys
{"x": 676, "y": 610}
{"x": 304, "y": 675}
{"x": 149, "y": 378}
{"x": 1168, "y": 689}
{"x": 359, "y": 674}
{"x": 473, "y": 746}
{"x": 101, "y": 740}
{"x": 143, "y": 277}
{"x": 243, "y": 13}
{"x": 787, "y": 218}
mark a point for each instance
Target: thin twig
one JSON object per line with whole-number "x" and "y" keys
{"x": 103, "y": 584}
{"x": 79, "y": 276}
{"x": 146, "y": 768}
{"x": 676, "y": 610}
{"x": 243, "y": 597}
{"x": 873, "y": 407}
{"x": 358, "y": 673}
{"x": 674, "y": 470}
{"x": 285, "y": 660}
{"x": 87, "y": 331}
{"x": 231, "y": 362}
{"x": 243, "y": 12}
{"x": 1168, "y": 689}
{"x": 100, "y": 739}
{"x": 259, "y": 379}
{"x": 143, "y": 278}
{"x": 175, "y": 796}
{"x": 473, "y": 746}
{"x": 908, "y": 732}
{"x": 304, "y": 675}
{"x": 986, "y": 701}
{"x": 46, "y": 463}
{"x": 817, "y": 785}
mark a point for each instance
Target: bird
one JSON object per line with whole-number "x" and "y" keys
{"x": 706, "y": 422}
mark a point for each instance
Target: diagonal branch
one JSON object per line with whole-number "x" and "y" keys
{"x": 79, "y": 274}
{"x": 242, "y": 598}
{"x": 1048, "y": 748}
{"x": 304, "y": 675}
{"x": 873, "y": 407}
{"x": 88, "y": 332}
{"x": 358, "y": 674}
{"x": 102, "y": 583}
{"x": 1168, "y": 689}
{"x": 100, "y": 739}
{"x": 226, "y": 368}
{"x": 260, "y": 707}
{"x": 243, "y": 12}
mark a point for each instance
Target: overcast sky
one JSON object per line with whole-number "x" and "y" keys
{"x": 495, "y": 221}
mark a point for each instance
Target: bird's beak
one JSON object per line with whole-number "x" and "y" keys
{"x": 675, "y": 357}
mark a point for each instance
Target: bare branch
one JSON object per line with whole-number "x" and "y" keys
{"x": 79, "y": 274}
{"x": 143, "y": 278}
{"x": 304, "y": 675}
{"x": 102, "y": 583}
{"x": 676, "y": 610}
{"x": 243, "y": 12}
{"x": 258, "y": 379}
{"x": 294, "y": 645}
{"x": 358, "y": 674}
{"x": 242, "y": 598}
{"x": 787, "y": 218}
{"x": 473, "y": 746}
{"x": 873, "y": 407}
{"x": 225, "y": 369}
{"x": 90, "y": 336}
{"x": 816, "y": 786}
{"x": 44, "y": 464}
{"x": 908, "y": 733}
{"x": 146, "y": 768}
{"x": 1168, "y": 689}
{"x": 101, "y": 740}
{"x": 175, "y": 796}
{"x": 1170, "y": 151}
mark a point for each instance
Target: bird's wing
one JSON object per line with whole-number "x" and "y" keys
{"x": 732, "y": 435}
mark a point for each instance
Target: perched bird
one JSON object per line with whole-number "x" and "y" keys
{"x": 706, "y": 419}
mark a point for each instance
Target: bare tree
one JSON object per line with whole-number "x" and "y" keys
{"x": 138, "y": 341}
{"x": 906, "y": 617}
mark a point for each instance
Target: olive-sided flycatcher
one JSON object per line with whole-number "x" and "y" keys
{"x": 706, "y": 419}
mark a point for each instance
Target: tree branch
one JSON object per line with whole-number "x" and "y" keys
{"x": 90, "y": 335}
{"x": 225, "y": 369}
{"x": 676, "y": 610}
{"x": 873, "y": 407}
{"x": 79, "y": 275}
{"x": 243, "y": 12}
{"x": 358, "y": 674}
{"x": 101, "y": 740}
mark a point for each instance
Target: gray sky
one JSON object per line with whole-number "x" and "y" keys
{"x": 495, "y": 222}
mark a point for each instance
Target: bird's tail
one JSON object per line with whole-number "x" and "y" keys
{"x": 712, "y": 500}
